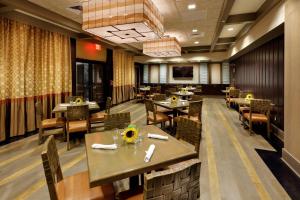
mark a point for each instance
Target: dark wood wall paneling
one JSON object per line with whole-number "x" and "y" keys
{"x": 262, "y": 71}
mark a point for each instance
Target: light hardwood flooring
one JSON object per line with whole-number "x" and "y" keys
{"x": 231, "y": 169}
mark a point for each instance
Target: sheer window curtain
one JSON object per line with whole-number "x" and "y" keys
{"x": 123, "y": 76}
{"x": 35, "y": 64}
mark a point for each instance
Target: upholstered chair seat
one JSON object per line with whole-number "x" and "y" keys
{"x": 53, "y": 122}
{"x": 96, "y": 117}
{"x": 77, "y": 126}
{"x": 75, "y": 187}
{"x": 256, "y": 117}
{"x": 160, "y": 117}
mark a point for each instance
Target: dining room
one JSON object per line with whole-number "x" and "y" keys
{"x": 149, "y": 99}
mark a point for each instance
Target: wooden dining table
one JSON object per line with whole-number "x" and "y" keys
{"x": 62, "y": 107}
{"x": 107, "y": 166}
{"x": 181, "y": 104}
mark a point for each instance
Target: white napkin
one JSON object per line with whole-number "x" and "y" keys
{"x": 64, "y": 104}
{"x": 149, "y": 153}
{"x": 156, "y": 136}
{"x": 91, "y": 102}
{"x": 104, "y": 146}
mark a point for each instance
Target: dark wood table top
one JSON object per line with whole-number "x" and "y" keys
{"x": 106, "y": 166}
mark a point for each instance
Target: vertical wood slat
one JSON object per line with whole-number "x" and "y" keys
{"x": 262, "y": 71}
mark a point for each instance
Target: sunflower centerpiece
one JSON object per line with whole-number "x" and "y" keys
{"x": 78, "y": 101}
{"x": 183, "y": 90}
{"x": 174, "y": 99}
{"x": 249, "y": 97}
{"x": 131, "y": 134}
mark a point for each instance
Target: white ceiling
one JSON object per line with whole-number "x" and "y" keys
{"x": 246, "y": 6}
{"x": 178, "y": 20}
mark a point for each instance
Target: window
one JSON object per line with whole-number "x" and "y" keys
{"x": 146, "y": 74}
{"x": 225, "y": 73}
{"x": 163, "y": 73}
{"x": 203, "y": 73}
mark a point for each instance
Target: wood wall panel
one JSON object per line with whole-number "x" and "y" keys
{"x": 262, "y": 71}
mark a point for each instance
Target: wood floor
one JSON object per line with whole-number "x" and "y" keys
{"x": 231, "y": 168}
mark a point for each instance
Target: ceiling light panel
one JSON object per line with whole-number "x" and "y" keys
{"x": 164, "y": 47}
{"x": 123, "y": 21}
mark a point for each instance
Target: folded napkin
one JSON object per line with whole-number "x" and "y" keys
{"x": 104, "y": 146}
{"x": 149, "y": 153}
{"x": 65, "y": 104}
{"x": 91, "y": 102}
{"x": 156, "y": 136}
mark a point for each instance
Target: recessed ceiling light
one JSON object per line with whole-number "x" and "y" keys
{"x": 230, "y": 29}
{"x": 197, "y": 42}
{"x": 195, "y": 30}
{"x": 192, "y": 6}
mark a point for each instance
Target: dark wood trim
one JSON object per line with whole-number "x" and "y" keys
{"x": 73, "y": 64}
{"x": 226, "y": 40}
{"x": 221, "y": 21}
{"x": 240, "y": 18}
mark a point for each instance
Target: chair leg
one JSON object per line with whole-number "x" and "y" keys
{"x": 268, "y": 129}
{"x": 41, "y": 135}
{"x": 250, "y": 127}
{"x": 68, "y": 141}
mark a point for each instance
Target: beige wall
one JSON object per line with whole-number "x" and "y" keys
{"x": 154, "y": 76}
{"x": 269, "y": 22}
{"x": 291, "y": 153}
{"x": 215, "y": 69}
{"x": 87, "y": 50}
{"x": 194, "y": 80}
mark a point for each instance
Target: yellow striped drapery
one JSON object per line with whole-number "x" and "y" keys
{"x": 34, "y": 64}
{"x": 123, "y": 76}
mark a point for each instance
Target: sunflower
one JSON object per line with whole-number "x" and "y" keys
{"x": 78, "y": 100}
{"x": 174, "y": 99}
{"x": 249, "y": 96}
{"x": 130, "y": 134}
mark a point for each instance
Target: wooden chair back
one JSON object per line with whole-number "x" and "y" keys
{"x": 189, "y": 131}
{"x": 179, "y": 182}
{"x": 234, "y": 93}
{"x": 150, "y": 108}
{"x": 195, "y": 109}
{"x": 159, "y": 97}
{"x": 118, "y": 120}
{"x": 52, "y": 168}
{"x": 196, "y": 98}
{"x": 108, "y": 105}
{"x": 262, "y": 106}
{"x": 158, "y": 89}
{"x": 77, "y": 112}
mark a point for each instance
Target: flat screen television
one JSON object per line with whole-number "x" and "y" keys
{"x": 183, "y": 72}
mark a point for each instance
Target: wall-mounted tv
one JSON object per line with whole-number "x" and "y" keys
{"x": 183, "y": 72}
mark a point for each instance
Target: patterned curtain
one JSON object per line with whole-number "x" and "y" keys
{"x": 123, "y": 67}
{"x": 35, "y": 64}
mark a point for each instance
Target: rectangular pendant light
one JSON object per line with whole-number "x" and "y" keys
{"x": 164, "y": 47}
{"x": 122, "y": 21}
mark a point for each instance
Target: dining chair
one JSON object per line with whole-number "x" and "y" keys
{"x": 77, "y": 120}
{"x": 72, "y": 187}
{"x": 73, "y": 98}
{"x": 98, "y": 117}
{"x": 154, "y": 116}
{"x": 179, "y": 182}
{"x": 161, "y": 97}
{"x": 118, "y": 120}
{"x": 194, "y": 111}
{"x": 189, "y": 131}
{"x": 233, "y": 93}
{"x": 259, "y": 113}
{"x": 52, "y": 123}
{"x": 244, "y": 108}
{"x": 137, "y": 95}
